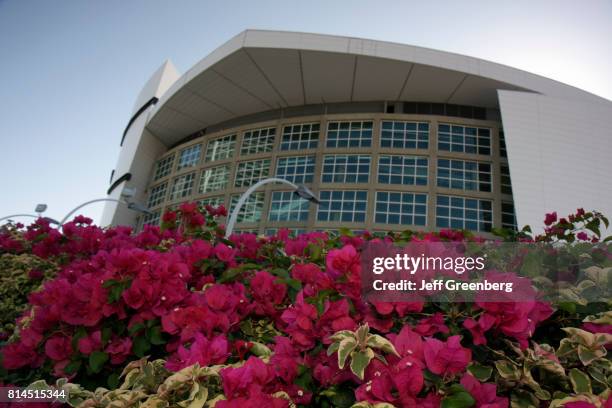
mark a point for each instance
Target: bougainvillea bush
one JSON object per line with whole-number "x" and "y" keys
{"x": 180, "y": 316}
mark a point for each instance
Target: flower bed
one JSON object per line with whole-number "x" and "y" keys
{"x": 192, "y": 319}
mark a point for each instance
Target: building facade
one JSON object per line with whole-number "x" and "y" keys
{"x": 389, "y": 136}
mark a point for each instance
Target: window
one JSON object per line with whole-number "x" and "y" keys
{"x": 464, "y": 139}
{"x": 300, "y": 137}
{"x": 345, "y": 168}
{"x": 463, "y": 213}
{"x": 157, "y": 195}
{"x": 404, "y": 135}
{"x": 258, "y": 141}
{"x": 506, "y": 184}
{"x": 151, "y": 219}
{"x": 249, "y": 173}
{"x": 508, "y": 216}
{"x": 214, "y": 179}
{"x": 163, "y": 167}
{"x": 343, "y": 206}
{"x": 212, "y": 201}
{"x": 464, "y": 175}
{"x": 252, "y": 208}
{"x": 406, "y": 170}
{"x": 287, "y": 206}
{"x": 297, "y": 169}
{"x": 502, "y": 144}
{"x": 349, "y": 134}
{"x": 246, "y": 231}
{"x": 401, "y": 208}
{"x": 189, "y": 157}
{"x": 182, "y": 186}
{"x": 221, "y": 148}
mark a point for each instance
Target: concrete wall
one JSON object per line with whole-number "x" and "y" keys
{"x": 560, "y": 154}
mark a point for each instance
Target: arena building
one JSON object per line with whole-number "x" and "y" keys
{"x": 389, "y": 136}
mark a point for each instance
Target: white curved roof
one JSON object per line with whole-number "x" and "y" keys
{"x": 258, "y": 71}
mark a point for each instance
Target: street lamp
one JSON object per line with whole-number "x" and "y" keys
{"x": 40, "y": 208}
{"x": 301, "y": 190}
{"x": 126, "y": 195}
{"x": 50, "y": 220}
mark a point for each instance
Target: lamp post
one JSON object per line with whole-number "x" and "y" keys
{"x": 301, "y": 190}
{"x": 51, "y": 220}
{"x": 131, "y": 205}
{"x": 40, "y": 208}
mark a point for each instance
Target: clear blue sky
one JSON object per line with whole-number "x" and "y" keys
{"x": 70, "y": 70}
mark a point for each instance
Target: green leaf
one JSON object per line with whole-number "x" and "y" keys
{"x": 154, "y": 334}
{"x": 79, "y": 334}
{"x": 587, "y": 356}
{"x": 345, "y": 348}
{"x": 362, "y": 333}
{"x": 569, "y": 307}
{"x": 482, "y": 373}
{"x": 106, "y": 335}
{"x": 141, "y": 346}
{"x": 314, "y": 251}
{"x": 333, "y": 348}
{"x": 136, "y": 328}
{"x": 581, "y": 383}
{"x": 113, "y": 381}
{"x": 347, "y": 232}
{"x": 342, "y": 334}
{"x": 593, "y": 226}
{"x": 246, "y": 326}
{"x": 379, "y": 342}
{"x": 281, "y": 273}
{"x": 360, "y": 361}
{"x": 72, "y": 367}
{"x": 507, "y": 370}
{"x": 459, "y": 398}
{"x": 97, "y": 360}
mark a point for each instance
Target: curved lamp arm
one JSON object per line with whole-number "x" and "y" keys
{"x": 18, "y": 215}
{"x": 51, "y": 220}
{"x": 87, "y": 203}
{"x": 234, "y": 216}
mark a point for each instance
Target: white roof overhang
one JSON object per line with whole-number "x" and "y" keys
{"x": 259, "y": 71}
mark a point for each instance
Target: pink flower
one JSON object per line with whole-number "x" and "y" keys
{"x": 266, "y": 292}
{"x": 484, "y": 394}
{"x": 18, "y": 355}
{"x": 58, "y": 348}
{"x": 312, "y": 277}
{"x": 432, "y": 325}
{"x": 285, "y": 359}
{"x": 550, "y": 218}
{"x": 225, "y": 254}
{"x": 169, "y": 217}
{"x": 219, "y": 211}
{"x": 188, "y": 208}
{"x": 201, "y": 351}
{"x": 247, "y": 380}
{"x": 343, "y": 261}
{"x": 335, "y": 317}
{"x": 402, "y": 308}
{"x": 409, "y": 344}
{"x": 300, "y": 321}
{"x": 119, "y": 350}
{"x": 480, "y": 327}
{"x": 90, "y": 343}
{"x": 446, "y": 358}
{"x": 582, "y": 236}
